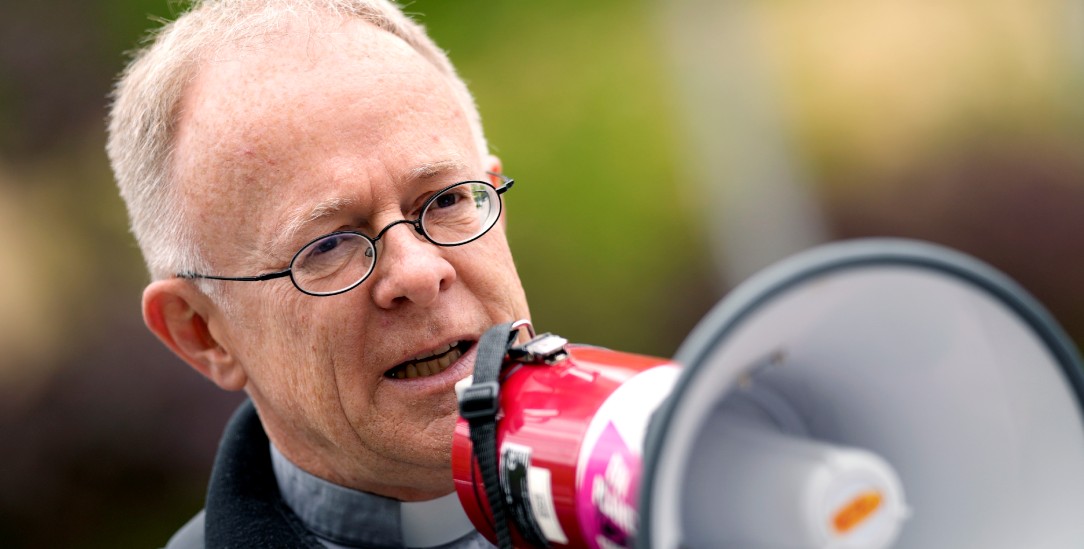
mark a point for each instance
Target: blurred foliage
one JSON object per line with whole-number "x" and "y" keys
{"x": 876, "y": 86}
{"x": 956, "y": 122}
{"x": 575, "y": 105}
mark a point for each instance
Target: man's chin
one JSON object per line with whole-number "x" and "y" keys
{"x": 428, "y": 447}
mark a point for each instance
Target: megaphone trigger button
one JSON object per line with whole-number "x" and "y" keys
{"x": 547, "y": 348}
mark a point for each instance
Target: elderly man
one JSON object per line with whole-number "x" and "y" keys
{"x": 311, "y": 189}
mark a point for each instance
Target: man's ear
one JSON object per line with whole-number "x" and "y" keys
{"x": 493, "y": 165}
{"x": 178, "y": 313}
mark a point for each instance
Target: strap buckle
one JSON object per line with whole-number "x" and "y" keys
{"x": 480, "y": 401}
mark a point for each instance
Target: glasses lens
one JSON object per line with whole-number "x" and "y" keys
{"x": 461, "y": 213}
{"x": 333, "y": 263}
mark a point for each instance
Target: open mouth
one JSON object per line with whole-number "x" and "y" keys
{"x": 431, "y": 364}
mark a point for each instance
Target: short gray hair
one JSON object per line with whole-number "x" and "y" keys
{"x": 143, "y": 116}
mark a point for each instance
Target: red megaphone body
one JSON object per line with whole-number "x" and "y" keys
{"x": 569, "y": 443}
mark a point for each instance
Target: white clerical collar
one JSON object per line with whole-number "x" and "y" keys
{"x": 351, "y": 518}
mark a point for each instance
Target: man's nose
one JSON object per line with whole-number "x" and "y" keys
{"x": 409, "y": 269}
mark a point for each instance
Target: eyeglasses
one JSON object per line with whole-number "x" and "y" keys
{"x": 340, "y": 261}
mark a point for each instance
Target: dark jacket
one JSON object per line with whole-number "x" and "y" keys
{"x": 244, "y": 508}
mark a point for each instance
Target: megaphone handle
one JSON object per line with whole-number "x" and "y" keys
{"x": 478, "y": 405}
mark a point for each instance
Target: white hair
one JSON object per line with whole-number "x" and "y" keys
{"x": 143, "y": 116}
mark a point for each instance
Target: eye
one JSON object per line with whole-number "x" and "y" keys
{"x": 461, "y": 213}
{"x": 446, "y": 200}
{"x": 326, "y": 245}
{"x": 329, "y": 252}
{"x": 333, "y": 262}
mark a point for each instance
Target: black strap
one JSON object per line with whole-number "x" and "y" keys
{"x": 478, "y": 405}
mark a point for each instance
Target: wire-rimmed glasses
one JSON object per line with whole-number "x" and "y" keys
{"x": 340, "y": 261}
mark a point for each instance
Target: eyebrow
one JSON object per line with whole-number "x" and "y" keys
{"x": 301, "y": 217}
{"x": 430, "y": 170}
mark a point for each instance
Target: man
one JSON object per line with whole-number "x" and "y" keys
{"x": 283, "y": 164}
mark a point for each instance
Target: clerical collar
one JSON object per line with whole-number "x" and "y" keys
{"x": 351, "y": 518}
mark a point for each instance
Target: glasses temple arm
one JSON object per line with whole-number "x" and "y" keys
{"x": 508, "y": 182}
{"x": 258, "y": 278}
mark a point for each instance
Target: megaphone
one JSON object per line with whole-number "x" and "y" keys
{"x": 862, "y": 395}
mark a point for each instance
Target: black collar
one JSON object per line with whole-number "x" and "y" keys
{"x": 244, "y": 507}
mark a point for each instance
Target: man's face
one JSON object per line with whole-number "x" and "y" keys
{"x": 308, "y": 132}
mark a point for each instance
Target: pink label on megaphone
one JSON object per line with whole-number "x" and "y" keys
{"x": 608, "y": 497}
{"x": 608, "y": 475}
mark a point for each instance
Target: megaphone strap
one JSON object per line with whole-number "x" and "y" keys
{"x": 478, "y": 404}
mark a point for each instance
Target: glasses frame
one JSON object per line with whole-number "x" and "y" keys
{"x": 506, "y": 184}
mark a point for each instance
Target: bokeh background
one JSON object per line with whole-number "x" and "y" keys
{"x": 664, "y": 151}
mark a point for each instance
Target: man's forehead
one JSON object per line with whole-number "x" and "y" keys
{"x": 252, "y": 103}
{"x": 251, "y": 88}
{"x": 280, "y": 109}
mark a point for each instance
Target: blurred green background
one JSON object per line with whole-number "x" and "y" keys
{"x": 664, "y": 151}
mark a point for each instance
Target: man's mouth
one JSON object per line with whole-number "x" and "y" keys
{"x": 430, "y": 364}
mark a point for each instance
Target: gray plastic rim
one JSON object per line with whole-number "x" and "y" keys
{"x": 729, "y": 313}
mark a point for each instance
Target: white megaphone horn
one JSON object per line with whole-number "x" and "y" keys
{"x": 862, "y": 395}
